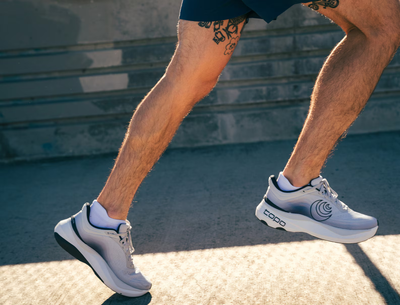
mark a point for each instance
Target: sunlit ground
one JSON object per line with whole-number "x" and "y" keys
{"x": 307, "y": 272}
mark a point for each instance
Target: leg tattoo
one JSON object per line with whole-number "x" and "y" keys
{"x": 228, "y": 33}
{"x": 233, "y": 26}
{"x": 324, "y": 3}
{"x": 205, "y": 24}
{"x": 231, "y": 46}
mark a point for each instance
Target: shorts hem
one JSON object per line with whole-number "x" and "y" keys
{"x": 213, "y": 18}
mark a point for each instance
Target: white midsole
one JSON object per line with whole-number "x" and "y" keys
{"x": 65, "y": 230}
{"x": 300, "y": 223}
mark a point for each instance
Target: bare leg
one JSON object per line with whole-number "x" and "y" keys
{"x": 346, "y": 80}
{"x": 192, "y": 73}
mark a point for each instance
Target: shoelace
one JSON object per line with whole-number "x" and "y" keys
{"x": 327, "y": 191}
{"x": 126, "y": 242}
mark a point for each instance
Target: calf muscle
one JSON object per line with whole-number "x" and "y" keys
{"x": 192, "y": 73}
{"x": 344, "y": 84}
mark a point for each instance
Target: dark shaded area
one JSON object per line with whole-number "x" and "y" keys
{"x": 36, "y": 25}
{"x": 387, "y": 291}
{"x": 193, "y": 199}
{"x": 31, "y": 28}
{"x": 119, "y": 299}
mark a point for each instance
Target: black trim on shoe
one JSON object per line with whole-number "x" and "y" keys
{"x": 269, "y": 202}
{"x": 273, "y": 179}
{"x": 119, "y": 226}
{"x": 75, "y": 228}
{"x": 73, "y": 251}
{"x": 265, "y": 223}
{"x": 88, "y": 214}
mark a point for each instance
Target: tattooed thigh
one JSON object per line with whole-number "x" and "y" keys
{"x": 226, "y": 32}
{"x": 315, "y": 4}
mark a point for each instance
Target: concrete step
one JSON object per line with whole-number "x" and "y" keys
{"x": 142, "y": 65}
{"x": 55, "y": 98}
{"x": 49, "y": 62}
{"x": 201, "y": 128}
{"x": 223, "y": 97}
{"x": 146, "y": 78}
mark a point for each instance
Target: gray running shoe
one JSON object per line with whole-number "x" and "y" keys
{"x": 106, "y": 251}
{"x": 314, "y": 209}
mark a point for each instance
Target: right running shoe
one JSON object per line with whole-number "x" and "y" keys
{"x": 314, "y": 209}
{"x": 108, "y": 252}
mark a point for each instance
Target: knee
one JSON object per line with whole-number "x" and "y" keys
{"x": 385, "y": 41}
{"x": 388, "y": 43}
{"x": 385, "y": 33}
{"x": 190, "y": 82}
{"x": 396, "y": 34}
{"x": 389, "y": 36}
{"x": 182, "y": 70}
{"x": 190, "y": 72}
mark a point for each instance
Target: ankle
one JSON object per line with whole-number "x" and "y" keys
{"x": 100, "y": 218}
{"x": 115, "y": 214}
{"x": 299, "y": 179}
{"x": 113, "y": 210}
{"x": 284, "y": 184}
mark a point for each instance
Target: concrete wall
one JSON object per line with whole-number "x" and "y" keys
{"x": 72, "y": 73}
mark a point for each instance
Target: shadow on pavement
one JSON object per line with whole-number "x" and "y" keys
{"x": 380, "y": 282}
{"x": 119, "y": 299}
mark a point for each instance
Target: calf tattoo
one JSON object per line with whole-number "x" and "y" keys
{"x": 324, "y": 3}
{"x": 229, "y": 32}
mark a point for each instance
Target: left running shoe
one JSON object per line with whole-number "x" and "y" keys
{"x": 108, "y": 252}
{"x": 314, "y": 209}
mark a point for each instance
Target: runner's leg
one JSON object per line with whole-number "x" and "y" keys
{"x": 346, "y": 80}
{"x": 201, "y": 55}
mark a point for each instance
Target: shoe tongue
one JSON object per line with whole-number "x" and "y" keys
{"x": 315, "y": 181}
{"x": 123, "y": 227}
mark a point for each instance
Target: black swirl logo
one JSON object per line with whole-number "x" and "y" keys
{"x": 321, "y": 210}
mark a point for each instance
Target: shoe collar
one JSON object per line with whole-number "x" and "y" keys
{"x": 272, "y": 180}
{"x": 86, "y": 210}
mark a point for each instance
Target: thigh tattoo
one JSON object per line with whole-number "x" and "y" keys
{"x": 324, "y": 3}
{"x": 228, "y": 33}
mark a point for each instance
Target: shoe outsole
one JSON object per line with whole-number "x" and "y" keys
{"x": 70, "y": 242}
{"x": 264, "y": 223}
{"x": 300, "y": 223}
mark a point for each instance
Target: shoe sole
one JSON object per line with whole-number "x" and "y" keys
{"x": 70, "y": 242}
{"x": 290, "y": 222}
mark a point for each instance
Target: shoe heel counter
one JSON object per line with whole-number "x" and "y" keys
{"x": 272, "y": 191}
{"x": 270, "y": 187}
{"x": 80, "y": 223}
{"x": 277, "y": 197}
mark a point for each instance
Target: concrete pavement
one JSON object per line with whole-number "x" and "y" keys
{"x": 195, "y": 233}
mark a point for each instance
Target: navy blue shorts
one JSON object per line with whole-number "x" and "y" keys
{"x": 214, "y": 10}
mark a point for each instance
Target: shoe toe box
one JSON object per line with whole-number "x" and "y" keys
{"x": 358, "y": 221}
{"x": 138, "y": 281}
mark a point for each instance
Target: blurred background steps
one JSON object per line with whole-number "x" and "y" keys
{"x": 77, "y": 98}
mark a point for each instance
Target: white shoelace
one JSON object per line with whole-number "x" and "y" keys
{"x": 324, "y": 188}
{"x": 125, "y": 241}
